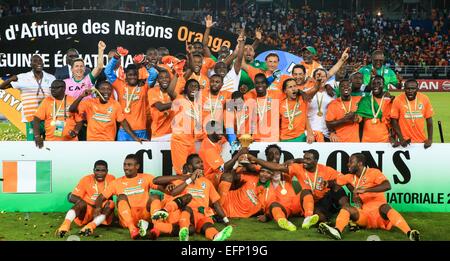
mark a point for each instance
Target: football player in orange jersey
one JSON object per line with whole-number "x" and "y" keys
{"x": 83, "y": 197}
{"x": 371, "y": 209}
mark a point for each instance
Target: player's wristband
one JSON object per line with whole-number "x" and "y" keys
{"x": 188, "y": 181}
{"x": 236, "y": 165}
{"x": 226, "y": 220}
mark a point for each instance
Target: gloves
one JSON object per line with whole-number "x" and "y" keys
{"x": 138, "y": 58}
{"x": 230, "y": 135}
{"x": 276, "y": 74}
{"x": 178, "y": 67}
{"x": 152, "y": 75}
{"x": 170, "y": 60}
{"x": 122, "y": 51}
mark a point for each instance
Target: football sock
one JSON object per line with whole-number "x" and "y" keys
{"x": 125, "y": 214}
{"x": 163, "y": 227}
{"x": 308, "y": 205}
{"x": 99, "y": 219}
{"x": 398, "y": 221}
{"x": 210, "y": 233}
{"x": 71, "y": 215}
{"x": 171, "y": 206}
{"x": 185, "y": 219}
{"x": 155, "y": 205}
{"x": 342, "y": 220}
{"x": 277, "y": 213}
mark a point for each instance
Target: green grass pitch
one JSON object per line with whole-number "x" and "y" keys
{"x": 42, "y": 226}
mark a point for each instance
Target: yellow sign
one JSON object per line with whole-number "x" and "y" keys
{"x": 11, "y": 107}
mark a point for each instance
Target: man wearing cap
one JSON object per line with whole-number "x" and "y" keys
{"x": 310, "y": 65}
{"x": 377, "y": 67}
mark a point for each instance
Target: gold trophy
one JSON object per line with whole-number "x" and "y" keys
{"x": 245, "y": 140}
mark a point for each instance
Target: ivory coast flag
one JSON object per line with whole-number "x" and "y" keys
{"x": 27, "y": 176}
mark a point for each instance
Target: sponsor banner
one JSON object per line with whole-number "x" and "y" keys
{"x": 419, "y": 178}
{"x": 50, "y": 34}
{"x": 11, "y": 107}
{"x": 431, "y": 85}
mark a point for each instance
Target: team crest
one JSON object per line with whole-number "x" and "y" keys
{"x": 140, "y": 181}
{"x": 420, "y": 106}
{"x": 109, "y": 110}
{"x": 203, "y": 185}
{"x": 138, "y": 89}
{"x": 319, "y": 183}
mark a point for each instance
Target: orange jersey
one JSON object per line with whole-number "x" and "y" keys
{"x": 412, "y": 122}
{"x": 293, "y": 116}
{"x": 167, "y": 68}
{"x": 203, "y": 195}
{"x": 307, "y": 180}
{"x": 203, "y": 80}
{"x": 348, "y": 132}
{"x": 208, "y": 64}
{"x": 243, "y": 202}
{"x": 88, "y": 189}
{"x": 187, "y": 119}
{"x": 161, "y": 120}
{"x": 212, "y": 160}
{"x": 136, "y": 189}
{"x": 277, "y": 84}
{"x": 310, "y": 68}
{"x": 143, "y": 73}
{"x": 371, "y": 178}
{"x": 137, "y": 99}
{"x": 57, "y": 111}
{"x": 273, "y": 194}
{"x": 379, "y": 131}
{"x": 306, "y": 85}
{"x": 264, "y": 108}
{"x": 213, "y": 106}
{"x": 102, "y": 119}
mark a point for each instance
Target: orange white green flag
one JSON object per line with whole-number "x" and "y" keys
{"x": 27, "y": 176}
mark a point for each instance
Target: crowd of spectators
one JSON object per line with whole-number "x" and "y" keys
{"x": 405, "y": 41}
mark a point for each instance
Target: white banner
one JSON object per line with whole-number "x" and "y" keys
{"x": 420, "y": 178}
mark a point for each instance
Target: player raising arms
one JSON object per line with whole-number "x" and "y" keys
{"x": 371, "y": 209}
{"x": 83, "y": 197}
{"x": 102, "y": 114}
{"x": 131, "y": 96}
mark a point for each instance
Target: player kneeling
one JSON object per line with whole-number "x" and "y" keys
{"x": 83, "y": 197}
{"x": 371, "y": 209}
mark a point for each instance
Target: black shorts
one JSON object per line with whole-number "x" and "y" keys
{"x": 329, "y": 205}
